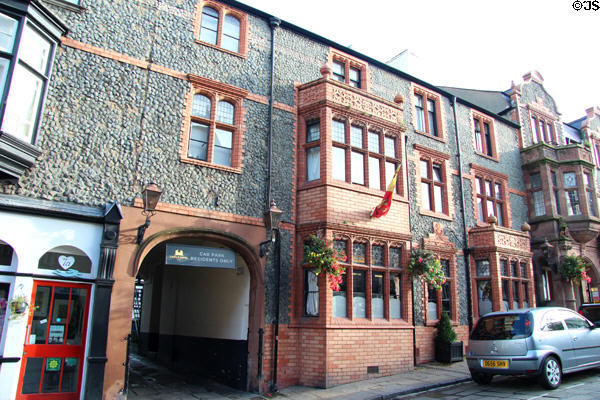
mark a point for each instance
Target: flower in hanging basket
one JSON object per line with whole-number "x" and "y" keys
{"x": 573, "y": 268}
{"x": 425, "y": 265}
{"x": 18, "y": 305}
{"x": 325, "y": 259}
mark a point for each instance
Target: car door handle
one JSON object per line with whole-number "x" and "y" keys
{"x": 574, "y": 338}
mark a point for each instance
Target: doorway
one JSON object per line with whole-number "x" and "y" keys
{"x": 53, "y": 354}
{"x": 193, "y": 318}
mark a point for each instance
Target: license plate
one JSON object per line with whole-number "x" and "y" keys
{"x": 495, "y": 363}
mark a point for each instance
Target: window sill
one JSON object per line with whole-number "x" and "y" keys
{"x": 235, "y": 170}
{"x": 233, "y": 53}
{"x": 435, "y": 215}
{"x": 16, "y": 156}
{"x": 67, "y": 5}
{"x": 486, "y": 156}
{"x": 426, "y": 134}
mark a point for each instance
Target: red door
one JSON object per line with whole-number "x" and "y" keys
{"x": 55, "y": 342}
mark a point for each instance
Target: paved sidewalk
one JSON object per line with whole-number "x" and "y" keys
{"x": 151, "y": 381}
{"x": 424, "y": 377}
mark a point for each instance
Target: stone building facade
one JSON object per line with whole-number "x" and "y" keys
{"x": 237, "y": 117}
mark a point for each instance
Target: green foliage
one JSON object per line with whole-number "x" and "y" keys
{"x": 325, "y": 259}
{"x": 573, "y": 268}
{"x": 445, "y": 332}
{"x": 425, "y": 264}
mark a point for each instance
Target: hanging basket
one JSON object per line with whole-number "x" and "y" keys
{"x": 425, "y": 265}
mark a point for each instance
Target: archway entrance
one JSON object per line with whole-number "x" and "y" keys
{"x": 192, "y": 308}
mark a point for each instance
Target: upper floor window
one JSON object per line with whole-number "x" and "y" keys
{"x": 484, "y": 135}
{"x": 542, "y": 129}
{"x": 222, "y": 27}
{"x": 433, "y": 186}
{"x": 427, "y": 112}
{"x": 571, "y": 193}
{"x": 372, "y": 156}
{"x": 490, "y": 200}
{"x": 345, "y": 72}
{"x": 313, "y": 151}
{"x": 539, "y": 208}
{"x": 215, "y": 135}
{"x": 25, "y": 62}
{"x": 589, "y": 189}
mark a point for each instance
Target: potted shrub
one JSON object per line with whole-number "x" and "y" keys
{"x": 447, "y": 349}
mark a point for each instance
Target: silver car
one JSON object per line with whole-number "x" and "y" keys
{"x": 544, "y": 342}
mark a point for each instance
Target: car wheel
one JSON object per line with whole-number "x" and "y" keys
{"x": 551, "y": 373}
{"x": 481, "y": 378}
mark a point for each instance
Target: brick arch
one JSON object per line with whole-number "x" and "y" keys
{"x": 257, "y": 283}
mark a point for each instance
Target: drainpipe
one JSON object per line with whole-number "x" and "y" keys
{"x": 274, "y": 23}
{"x": 466, "y": 250}
{"x": 412, "y": 285}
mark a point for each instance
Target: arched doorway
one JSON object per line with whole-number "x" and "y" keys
{"x": 197, "y": 307}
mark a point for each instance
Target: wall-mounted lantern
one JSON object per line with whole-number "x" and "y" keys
{"x": 272, "y": 219}
{"x": 150, "y": 196}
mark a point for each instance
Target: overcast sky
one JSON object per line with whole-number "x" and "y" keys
{"x": 468, "y": 43}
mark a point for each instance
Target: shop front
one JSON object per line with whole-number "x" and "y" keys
{"x": 52, "y": 272}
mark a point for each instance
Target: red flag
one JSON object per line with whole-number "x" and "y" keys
{"x": 386, "y": 203}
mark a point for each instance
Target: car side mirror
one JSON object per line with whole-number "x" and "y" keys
{"x": 596, "y": 325}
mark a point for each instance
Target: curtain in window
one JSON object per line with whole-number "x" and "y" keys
{"x": 395, "y": 300}
{"x": 312, "y": 297}
{"x": 432, "y": 304}
{"x": 313, "y": 163}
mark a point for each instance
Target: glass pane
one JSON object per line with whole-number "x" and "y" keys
{"x": 419, "y": 113}
{"x": 377, "y": 255}
{"x": 340, "y": 246}
{"x": 311, "y": 297}
{"x": 490, "y": 207}
{"x": 339, "y": 300}
{"x": 199, "y": 132}
{"x": 225, "y": 112}
{"x": 77, "y": 311}
{"x": 223, "y": 138}
{"x": 222, "y": 156}
{"x": 22, "y": 104}
{"x": 338, "y": 131}
{"x": 482, "y": 268}
{"x": 313, "y": 132}
{"x": 374, "y": 142}
{"x": 356, "y": 136}
{"x": 516, "y": 294}
{"x": 488, "y": 188}
{"x": 505, "y": 294}
{"x": 504, "y": 268}
{"x": 39, "y": 323}
{"x": 374, "y": 178}
{"x": 513, "y": 269}
{"x": 395, "y": 257}
{"x": 359, "y": 309}
{"x": 198, "y": 150}
{"x": 354, "y": 74}
{"x": 231, "y": 44}
{"x": 208, "y": 36}
{"x": 446, "y": 299}
{"x": 60, "y": 310}
{"x": 313, "y": 163}
{"x": 425, "y": 196}
{"x": 69, "y": 377}
{"x": 377, "y": 295}
{"x": 591, "y": 203}
{"x": 359, "y": 253}
{"x": 357, "y": 168}
{"x": 437, "y": 173}
{"x": 432, "y": 118}
{"x": 390, "y": 147}
{"x": 424, "y": 169}
{"x": 484, "y": 295}
{"x": 201, "y": 106}
{"x": 445, "y": 267}
{"x": 554, "y": 180}
{"x": 570, "y": 179}
{"x": 390, "y": 170}
{"x": 539, "y": 208}
{"x": 481, "y": 214}
{"x": 479, "y": 185}
{"x": 231, "y": 27}
{"x": 572, "y": 202}
{"x": 395, "y": 296}
{"x": 338, "y": 67}
{"x": 498, "y": 190}
{"x": 3, "y": 71}
{"x": 536, "y": 180}
{"x": 431, "y": 303}
{"x": 8, "y": 29}
{"x": 35, "y": 50}
{"x": 33, "y": 375}
{"x": 339, "y": 163}
{"x": 51, "y": 379}
{"x": 439, "y": 200}
{"x": 198, "y": 141}
{"x": 500, "y": 214}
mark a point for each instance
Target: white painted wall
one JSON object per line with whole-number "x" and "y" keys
{"x": 205, "y": 302}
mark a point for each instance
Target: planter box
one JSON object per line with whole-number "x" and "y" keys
{"x": 449, "y": 352}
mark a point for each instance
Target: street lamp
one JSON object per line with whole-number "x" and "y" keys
{"x": 150, "y": 196}
{"x": 272, "y": 219}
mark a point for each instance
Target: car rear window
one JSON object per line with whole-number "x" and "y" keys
{"x": 591, "y": 313}
{"x": 503, "y": 327}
